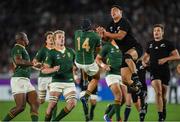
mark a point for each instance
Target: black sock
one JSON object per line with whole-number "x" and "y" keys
{"x": 164, "y": 113}
{"x": 91, "y": 116}
{"x": 62, "y": 114}
{"x": 160, "y": 116}
{"x": 142, "y": 116}
{"x": 126, "y": 113}
{"x": 86, "y": 112}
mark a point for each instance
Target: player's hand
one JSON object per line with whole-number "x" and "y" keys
{"x": 105, "y": 67}
{"x": 178, "y": 68}
{"x": 162, "y": 61}
{"x": 37, "y": 65}
{"x": 56, "y": 68}
{"x": 100, "y": 31}
{"x": 144, "y": 64}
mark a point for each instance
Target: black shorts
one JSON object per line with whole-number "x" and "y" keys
{"x": 133, "y": 95}
{"x": 139, "y": 51}
{"x": 160, "y": 74}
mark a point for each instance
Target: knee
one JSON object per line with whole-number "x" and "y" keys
{"x": 159, "y": 93}
{"x": 71, "y": 103}
{"x": 118, "y": 96}
{"x": 128, "y": 58}
{"x": 41, "y": 101}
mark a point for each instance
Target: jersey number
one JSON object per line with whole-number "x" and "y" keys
{"x": 85, "y": 44}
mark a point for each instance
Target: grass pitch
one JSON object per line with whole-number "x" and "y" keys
{"x": 173, "y": 112}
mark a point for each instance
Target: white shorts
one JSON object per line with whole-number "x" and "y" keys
{"x": 111, "y": 79}
{"x": 92, "y": 96}
{"x": 64, "y": 88}
{"x": 90, "y": 69}
{"x": 43, "y": 83}
{"x": 21, "y": 85}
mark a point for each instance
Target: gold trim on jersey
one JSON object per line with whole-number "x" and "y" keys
{"x": 20, "y": 45}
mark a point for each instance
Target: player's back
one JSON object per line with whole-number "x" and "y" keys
{"x": 85, "y": 46}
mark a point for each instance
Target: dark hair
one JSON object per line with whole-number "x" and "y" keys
{"x": 159, "y": 25}
{"x": 21, "y": 35}
{"x": 86, "y": 25}
{"x": 48, "y": 33}
{"x": 117, "y": 6}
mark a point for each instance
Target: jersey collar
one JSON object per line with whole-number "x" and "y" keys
{"x": 62, "y": 51}
{"x": 20, "y": 45}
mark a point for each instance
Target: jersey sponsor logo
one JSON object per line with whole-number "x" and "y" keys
{"x": 162, "y": 45}
{"x": 152, "y": 77}
{"x": 150, "y": 46}
{"x": 69, "y": 55}
{"x": 58, "y": 56}
{"x": 112, "y": 50}
{"x": 118, "y": 28}
{"x": 111, "y": 29}
{"x": 156, "y": 47}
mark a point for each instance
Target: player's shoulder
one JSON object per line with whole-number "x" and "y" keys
{"x": 78, "y": 31}
{"x": 167, "y": 41}
{"x": 52, "y": 51}
{"x": 106, "y": 45}
{"x": 150, "y": 42}
{"x": 124, "y": 20}
{"x": 70, "y": 49}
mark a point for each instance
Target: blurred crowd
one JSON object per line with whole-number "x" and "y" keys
{"x": 35, "y": 17}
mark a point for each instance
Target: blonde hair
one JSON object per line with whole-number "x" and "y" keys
{"x": 59, "y": 31}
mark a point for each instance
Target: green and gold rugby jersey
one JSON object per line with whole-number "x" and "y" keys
{"x": 20, "y": 71}
{"x": 40, "y": 57}
{"x": 113, "y": 57}
{"x": 63, "y": 59}
{"x": 85, "y": 46}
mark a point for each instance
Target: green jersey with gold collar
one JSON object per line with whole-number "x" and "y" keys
{"x": 64, "y": 59}
{"x": 113, "y": 57}
{"x": 20, "y": 71}
{"x": 85, "y": 46}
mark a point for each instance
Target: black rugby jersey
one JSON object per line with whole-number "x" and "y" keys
{"x": 158, "y": 50}
{"x": 128, "y": 41}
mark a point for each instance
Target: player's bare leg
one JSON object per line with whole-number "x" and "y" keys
{"x": 70, "y": 104}
{"x": 91, "y": 86}
{"x": 164, "y": 96}
{"x": 116, "y": 90}
{"x": 130, "y": 56}
{"x": 53, "y": 99}
{"x": 124, "y": 94}
{"x": 20, "y": 100}
{"x": 32, "y": 100}
{"x": 156, "y": 84}
{"x": 93, "y": 83}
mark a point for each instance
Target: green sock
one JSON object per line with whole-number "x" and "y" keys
{"x": 117, "y": 110}
{"x": 62, "y": 114}
{"x": 112, "y": 111}
{"x": 8, "y": 117}
{"x": 47, "y": 118}
{"x": 54, "y": 113}
{"x": 34, "y": 117}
